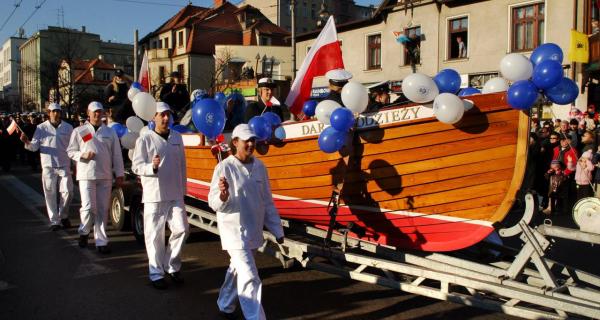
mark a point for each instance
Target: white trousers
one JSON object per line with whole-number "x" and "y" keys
{"x": 57, "y": 180}
{"x": 95, "y": 201}
{"x": 242, "y": 282}
{"x": 163, "y": 258}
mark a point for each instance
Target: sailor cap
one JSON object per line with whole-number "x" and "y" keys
{"x": 338, "y": 76}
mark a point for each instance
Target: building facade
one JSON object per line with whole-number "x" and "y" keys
{"x": 187, "y": 43}
{"x": 488, "y": 31}
{"x": 9, "y": 73}
{"x": 43, "y": 53}
{"x": 309, "y": 12}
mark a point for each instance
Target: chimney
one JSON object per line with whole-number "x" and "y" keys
{"x": 82, "y": 28}
{"x": 219, "y": 3}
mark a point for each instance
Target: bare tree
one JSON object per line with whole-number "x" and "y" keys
{"x": 222, "y": 61}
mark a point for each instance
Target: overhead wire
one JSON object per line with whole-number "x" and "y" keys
{"x": 31, "y": 15}
{"x": 16, "y": 5}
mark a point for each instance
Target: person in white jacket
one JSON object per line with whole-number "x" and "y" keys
{"x": 159, "y": 160}
{"x": 97, "y": 151}
{"x": 240, "y": 193}
{"x": 52, "y": 139}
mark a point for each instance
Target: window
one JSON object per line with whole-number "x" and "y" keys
{"x": 527, "y": 27}
{"x": 374, "y": 52}
{"x": 166, "y": 44}
{"x": 105, "y": 76}
{"x": 180, "y": 38}
{"x": 180, "y": 70}
{"x": 264, "y": 41}
{"x": 479, "y": 80}
{"x": 592, "y": 13}
{"x": 412, "y": 49}
{"x": 161, "y": 74}
{"x": 458, "y": 31}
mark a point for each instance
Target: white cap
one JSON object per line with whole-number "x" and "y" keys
{"x": 243, "y": 132}
{"x": 54, "y": 106}
{"x": 162, "y": 107}
{"x": 338, "y": 75}
{"x": 266, "y": 82}
{"x": 95, "y": 105}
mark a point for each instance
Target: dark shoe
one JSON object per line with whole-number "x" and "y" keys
{"x": 83, "y": 241}
{"x": 66, "y": 223}
{"x": 176, "y": 277}
{"x": 55, "y": 227}
{"x": 229, "y": 316}
{"x": 103, "y": 249}
{"x": 160, "y": 284}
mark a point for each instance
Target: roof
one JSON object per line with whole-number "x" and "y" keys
{"x": 82, "y": 70}
{"x": 181, "y": 18}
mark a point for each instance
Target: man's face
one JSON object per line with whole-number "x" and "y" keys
{"x": 266, "y": 93}
{"x": 383, "y": 97}
{"x": 564, "y": 126}
{"x": 96, "y": 117}
{"x": 177, "y": 79}
{"x": 161, "y": 119}
{"x": 54, "y": 115}
{"x": 564, "y": 143}
{"x": 587, "y": 138}
{"x": 244, "y": 147}
{"x": 573, "y": 126}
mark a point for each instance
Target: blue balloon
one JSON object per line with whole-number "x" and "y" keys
{"x": 272, "y": 118}
{"x": 181, "y": 128}
{"x": 547, "y": 74}
{"x": 547, "y": 51}
{"x": 261, "y": 127}
{"x": 280, "y": 133}
{"x": 151, "y": 125}
{"x": 565, "y": 92}
{"x": 522, "y": 94}
{"x": 120, "y": 129}
{"x": 237, "y": 98}
{"x": 171, "y": 122}
{"x": 447, "y": 80}
{"x": 468, "y": 92}
{"x": 221, "y": 99}
{"x": 136, "y": 85}
{"x": 342, "y": 119}
{"x": 208, "y": 117}
{"x": 309, "y": 108}
{"x": 331, "y": 140}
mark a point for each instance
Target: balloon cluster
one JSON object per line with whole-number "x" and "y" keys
{"x": 541, "y": 73}
{"x": 356, "y": 98}
{"x": 208, "y": 116}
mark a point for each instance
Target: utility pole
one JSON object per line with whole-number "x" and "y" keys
{"x": 135, "y": 55}
{"x": 293, "y": 15}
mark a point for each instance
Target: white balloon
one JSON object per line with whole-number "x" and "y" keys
{"x": 144, "y": 105}
{"x": 128, "y": 140}
{"x": 468, "y": 104}
{"x": 324, "y": 110}
{"x": 132, "y": 92}
{"x": 134, "y": 124}
{"x": 495, "y": 85}
{"x": 419, "y": 88}
{"x": 448, "y": 108}
{"x": 515, "y": 67}
{"x": 355, "y": 97}
{"x": 130, "y": 154}
{"x": 197, "y": 93}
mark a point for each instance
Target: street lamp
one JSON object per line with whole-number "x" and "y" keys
{"x": 256, "y": 69}
{"x": 271, "y": 69}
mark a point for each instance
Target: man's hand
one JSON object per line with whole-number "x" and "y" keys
{"x": 24, "y": 138}
{"x": 224, "y": 188}
{"x": 174, "y": 88}
{"x": 89, "y": 155}
{"x": 155, "y": 162}
{"x": 111, "y": 98}
{"x": 119, "y": 182}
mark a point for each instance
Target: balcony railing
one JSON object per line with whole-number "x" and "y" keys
{"x": 159, "y": 54}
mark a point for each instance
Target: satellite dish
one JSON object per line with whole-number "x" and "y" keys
{"x": 586, "y": 214}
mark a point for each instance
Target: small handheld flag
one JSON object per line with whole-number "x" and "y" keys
{"x": 12, "y": 127}
{"x": 86, "y": 134}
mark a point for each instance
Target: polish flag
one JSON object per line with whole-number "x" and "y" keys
{"x": 324, "y": 55}
{"x": 144, "y": 76}
{"x": 85, "y": 133}
{"x": 12, "y": 127}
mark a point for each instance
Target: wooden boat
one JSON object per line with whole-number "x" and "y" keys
{"x": 408, "y": 180}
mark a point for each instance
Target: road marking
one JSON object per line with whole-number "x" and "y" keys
{"x": 32, "y": 200}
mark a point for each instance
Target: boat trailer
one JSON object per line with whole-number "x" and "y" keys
{"x": 531, "y": 286}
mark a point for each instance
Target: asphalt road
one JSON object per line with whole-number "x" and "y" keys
{"x": 45, "y": 275}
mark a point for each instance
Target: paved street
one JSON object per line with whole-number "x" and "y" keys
{"x": 44, "y": 275}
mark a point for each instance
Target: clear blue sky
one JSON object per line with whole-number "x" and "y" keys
{"x": 112, "y": 19}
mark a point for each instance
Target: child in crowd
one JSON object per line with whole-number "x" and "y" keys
{"x": 556, "y": 189}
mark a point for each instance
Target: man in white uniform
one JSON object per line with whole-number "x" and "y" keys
{"x": 52, "y": 139}
{"x": 159, "y": 160}
{"x": 240, "y": 193}
{"x": 97, "y": 150}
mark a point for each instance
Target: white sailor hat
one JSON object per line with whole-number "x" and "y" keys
{"x": 266, "y": 82}
{"x": 54, "y": 106}
{"x": 338, "y": 77}
{"x": 95, "y": 105}
{"x": 383, "y": 86}
{"x": 243, "y": 131}
{"x": 162, "y": 107}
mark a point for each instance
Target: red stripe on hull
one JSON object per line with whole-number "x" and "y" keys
{"x": 424, "y": 233}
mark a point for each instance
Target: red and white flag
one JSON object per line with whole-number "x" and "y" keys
{"x": 144, "y": 75}
{"x": 12, "y": 127}
{"x": 324, "y": 55}
{"x": 85, "y": 133}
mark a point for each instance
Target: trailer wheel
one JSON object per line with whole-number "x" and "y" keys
{"x": 137, "y": 221}
{"x": 118, "y": 215}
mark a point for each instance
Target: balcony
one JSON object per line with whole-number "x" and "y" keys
{"x": 159, "y": 54}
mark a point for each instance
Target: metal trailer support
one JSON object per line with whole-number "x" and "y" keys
{"x": 554, "y": 292}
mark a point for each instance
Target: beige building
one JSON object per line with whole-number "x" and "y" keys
{"x": 488, "y": 29}
{"x": 42, "y": 53}
{"x": 309, "y": 12}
